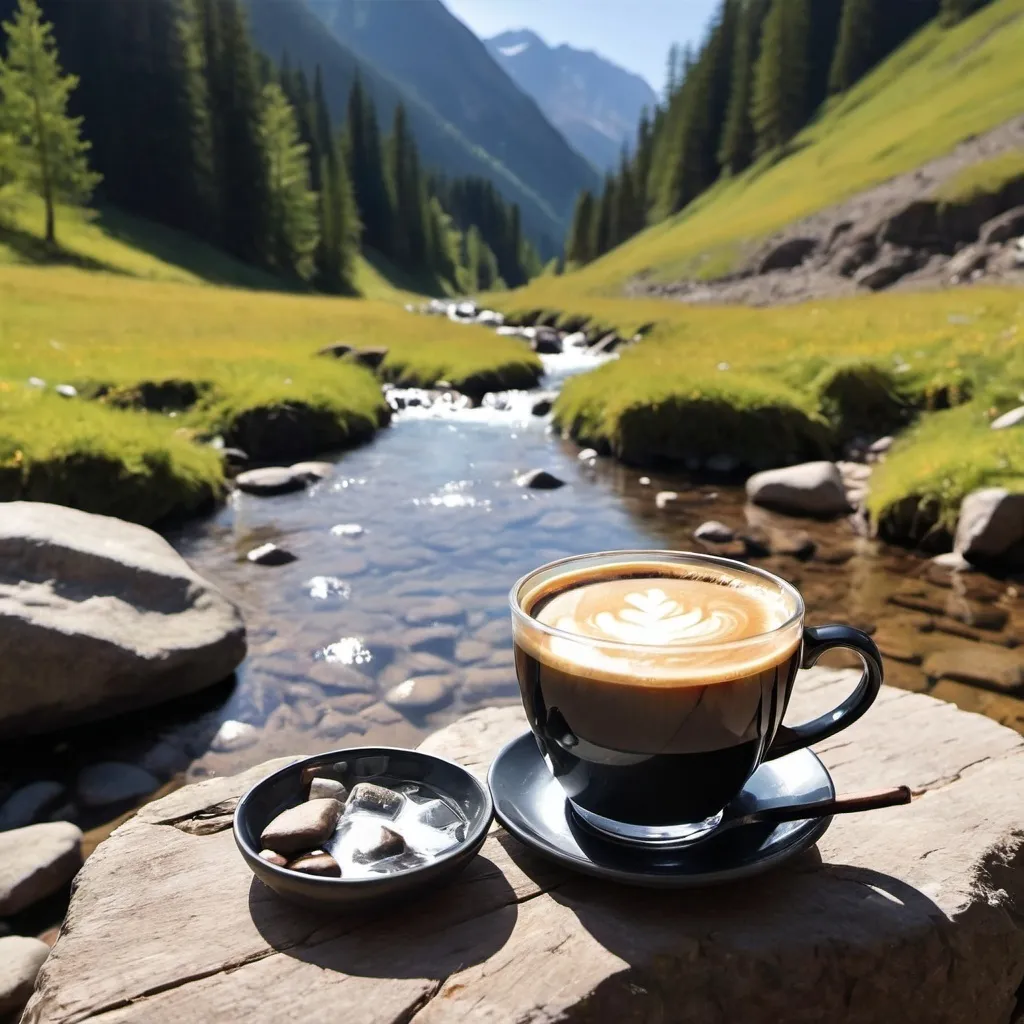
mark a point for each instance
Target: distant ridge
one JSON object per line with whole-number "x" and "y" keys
{"x": 594, "y": 103}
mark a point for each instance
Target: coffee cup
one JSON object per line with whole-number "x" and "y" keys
{"x": 656, "y": 683}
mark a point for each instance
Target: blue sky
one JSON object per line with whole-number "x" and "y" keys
{"x": 633, "y": 33}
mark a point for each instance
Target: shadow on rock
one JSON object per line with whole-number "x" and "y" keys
{"x": 459, "y": 926}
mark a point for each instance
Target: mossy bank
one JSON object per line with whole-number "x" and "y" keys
{"x": 162, "y": 368}
{"x": 747, "y": 389}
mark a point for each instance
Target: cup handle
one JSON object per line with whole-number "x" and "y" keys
{"x": 818, "y": 640}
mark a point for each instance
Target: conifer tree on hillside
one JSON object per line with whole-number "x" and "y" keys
{"x": 601, "y": 234}
{"x": 627, "y": 219}
{"x": 198, "y": 167}
{"x": 779, "y": 106}
{"x": 578, "y": 244}
{"x": 409, "y": 247}
{"x": 366, "y": 170}
{"x": 642, "y": 166}
{"x": 240, "y": 156}
{"x": 738, "y": 138}
{"x": 823, "y": 36}
{"x": 672, "y": 71}
{"x": 48, "y": 152}
{"x": 339, "y": 224}
{"x": 858, "y": 47}
{"x": 292, "y": 209}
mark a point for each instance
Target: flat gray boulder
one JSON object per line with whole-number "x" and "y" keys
{"x": 908, "y": 914}
{"x": 20, "y": 960}
{"x": 991, "y": 523}
{"x": 811, "y": 488}
{"x": 272, "y": 480}
{"x": 99, "y": 616}
{"x": 36, "y": 861}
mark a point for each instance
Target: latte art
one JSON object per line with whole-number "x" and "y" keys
{"x": 652, "y": 617}
{"x": 662, "y": 612}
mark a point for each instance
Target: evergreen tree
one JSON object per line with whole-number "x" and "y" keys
{"x": 292, "y": 211}
{"x": 581, "y": 232}
{"x": 407, "y": 197}
{"x": 339, "y": 224}
{"x": 672, "y": 72}
{"x": 858, "y": 47}
{"x": 779, "y": 108}
{"x": 10, "y": 178}
{"x": 200, "y": 185}
{"x": 738, "y": 138}
{"x": 823, "y": 36}
{"x": 240, "y": 157}
{"x": 366, "y": 171}
{"x": 601, "y": 234}
{"x": 642, "y": 166}
{"x": 628, "y": 218}
{"x": 47, "y": 148}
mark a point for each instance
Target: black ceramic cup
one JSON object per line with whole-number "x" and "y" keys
{"x": 651, "y": 740}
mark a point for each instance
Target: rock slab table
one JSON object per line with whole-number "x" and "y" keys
{"x": 912, "y": 913}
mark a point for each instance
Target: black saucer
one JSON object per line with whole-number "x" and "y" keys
{"x": 531, "y": 804}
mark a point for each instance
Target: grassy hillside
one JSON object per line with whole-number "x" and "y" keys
{"x": 163, "y": 362}
{"x": 941, "y": 87}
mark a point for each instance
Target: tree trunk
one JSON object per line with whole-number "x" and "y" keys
{"x": 51, "y": 234}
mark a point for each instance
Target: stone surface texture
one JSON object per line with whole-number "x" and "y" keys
{"x": 910, "y": 914}
{"x": 20, "y": 960}
{"x": 1013, "y": 418}
{"x": 271, "y": 480}
{"x": 36, "y": 861}
{"x": 811, "y": 488}
{"x": 101, "y": 616}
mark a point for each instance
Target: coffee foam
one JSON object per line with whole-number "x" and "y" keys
{"x": 681, "y": 617}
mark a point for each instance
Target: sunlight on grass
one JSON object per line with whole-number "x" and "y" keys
{"x": 983, "y": 178}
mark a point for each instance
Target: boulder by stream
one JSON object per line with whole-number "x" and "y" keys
{"x": 102, "y": 616}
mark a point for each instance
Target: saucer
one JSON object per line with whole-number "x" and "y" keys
{"x": 531, "y": 805}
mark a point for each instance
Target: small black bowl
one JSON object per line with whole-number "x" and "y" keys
{"x": 386, "y": 766}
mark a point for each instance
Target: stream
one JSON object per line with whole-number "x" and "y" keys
{"x": 405, "y": 557}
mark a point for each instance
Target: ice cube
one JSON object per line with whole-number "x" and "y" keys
{"x": 437, "y": 814}
{"x": 365, "y": 796}
{"x": 376, "y": 842}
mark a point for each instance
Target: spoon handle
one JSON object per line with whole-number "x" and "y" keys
{"x": 838, "y": 805}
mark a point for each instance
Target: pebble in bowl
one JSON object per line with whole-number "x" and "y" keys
{"x": 363, "y": 825}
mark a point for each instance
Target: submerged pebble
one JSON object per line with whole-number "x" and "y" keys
{"x": 316, "y": 863}
{"x": 372, "y": 842}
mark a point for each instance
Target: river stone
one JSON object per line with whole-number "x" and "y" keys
{"x": 36, "y": 861}
{"x": 27, "y": 804}
{"x": 270, "y": 554}
{"x": 20, "y": 960}
{"x": 991, "y": 523}
{"x": 1013, "y": 418}
{"x": 1006, "y": 226}
{"x": 787, "y": 254}
{"x": 270, "y": 481}
{"x": 316, "y": 863}
{"x": 313, "y": 471}
{"x": 812, "y": 488}
{"x": 543, "y": 402}
{"x": 112, "y": 783}
{"x": 714, "y": 532}
{"x": 910, "y": 913}
{"x": 663, "y": 499}
{"x": 302, "y": 827}
{"x": 102, "y": 616}
{"x": 587, "y": 455}
{"x": 539, "y": 479}
{"x": 234, "y": 735}
{"x": 980, "y": 664}
{"x": 421, "y": 694}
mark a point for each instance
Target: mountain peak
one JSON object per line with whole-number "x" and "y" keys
{"x": 594, "y": 103}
